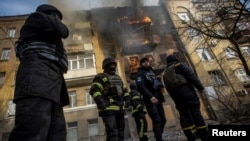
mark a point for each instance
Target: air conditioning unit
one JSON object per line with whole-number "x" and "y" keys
{"x": 243, "y": 92}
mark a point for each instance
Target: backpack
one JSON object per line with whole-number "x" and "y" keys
{"x": 172, "y": 79}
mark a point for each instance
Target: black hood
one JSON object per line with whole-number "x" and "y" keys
{"x": 47, "y": 9}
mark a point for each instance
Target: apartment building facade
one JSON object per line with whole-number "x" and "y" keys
{"x": 94, "y": 35}
{"x": 126, "y": 33}
{"x": 218, "y": 66}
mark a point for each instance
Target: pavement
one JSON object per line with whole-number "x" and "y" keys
{"x": 171, "y": 133}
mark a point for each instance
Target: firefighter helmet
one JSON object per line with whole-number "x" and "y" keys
{"x": 143, "y": 60}
{"x": 107, "y": 61}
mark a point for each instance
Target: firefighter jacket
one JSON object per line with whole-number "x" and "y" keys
{"x": 109, "y": 93}
{"x": 149, "y": 85}
{"x": 42, "y": 59}
{"x": 137, "y": 103}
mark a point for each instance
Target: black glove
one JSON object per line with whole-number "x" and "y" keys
{"x": 140, "y": 109}
{"x": 127, "y": 103}
{"x": 101, "y": 104}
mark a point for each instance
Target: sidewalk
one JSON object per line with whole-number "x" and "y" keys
{"x": 172, "y": 133}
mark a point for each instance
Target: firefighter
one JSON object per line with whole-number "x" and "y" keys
{"x": 111, "y": 97}
{"x": 40, "y": 89}
{"x": 187, "y": 101}
{"x": 139, "y": 112}
{"x": 151, "y": 89}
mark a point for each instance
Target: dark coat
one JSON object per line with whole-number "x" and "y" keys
{"x": 37, "y": 76}
{"x": 187, "y": 72}
{"x": 148, "y": 84}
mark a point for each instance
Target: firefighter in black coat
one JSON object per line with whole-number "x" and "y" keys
{"x": 139, "y": 112}
{"x": 151, "y": 89}
{"x": 111, "y": 97}
{"x": 187, "y": 101}
{"x": 40, "y": 89}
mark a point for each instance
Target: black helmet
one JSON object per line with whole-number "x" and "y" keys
{"x": 107, "y": 61}
{"x": 171, "y": 58}
{"x": 47, "y": 9}
{"x": 143, "y": 60}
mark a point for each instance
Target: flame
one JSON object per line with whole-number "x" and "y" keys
{"x": 127, "y": 20}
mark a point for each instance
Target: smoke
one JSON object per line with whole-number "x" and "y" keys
{"x": 90, "y": 4}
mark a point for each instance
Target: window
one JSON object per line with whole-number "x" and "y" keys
{"x": 208, "y": 18}
{"x": 72, "y": 134}
{"x": 80, "y": 62}
{"x": 204, "y": 54}
{"x": 245, "y": 51}
{"x": 93, "y": 127}
{"x": 241, "y": 74}
{"x": 192, "y": 33}
{"x": 211, "y": 92}
{"x": 77, "y": 37}
{"x": 242, "y": 25}
{"x": 230, "y": 53}
{"x": 219, "y": 33}
{"x": 72, "y": 99}
{"x": 11, "y": 32}
{"x": 184, "y": 17}
{"x": 217, "y": 77}
{"x": 89, "y": 98}
{"x": 5, "y": 54}
{"x": 2, "y": 78}
{"x": 11, "y": 108}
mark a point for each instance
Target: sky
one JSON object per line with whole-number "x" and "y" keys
{"x": 19, "y": 7}
{"x": 22, "y": 7}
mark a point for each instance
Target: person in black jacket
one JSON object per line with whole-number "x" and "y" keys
{"x": 111, "y": 97}
{"x": 139, "y": 112}
{"x": 186, "y": 99}
{"x": 151, "y": 89}
{"x": 40, "y": 89}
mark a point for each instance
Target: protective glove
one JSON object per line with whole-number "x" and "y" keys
{"x": 101, "y": 104}
{"x": 140, "y": 108}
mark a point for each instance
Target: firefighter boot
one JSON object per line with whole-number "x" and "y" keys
{"x": 144, "y": 138}
{"x": 191, "y": 136}
{"x": 202, "y": 133}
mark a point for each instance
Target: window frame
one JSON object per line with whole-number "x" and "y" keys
{"x": 11, "y": 31}
{"x": 217, "y": 77}
{"x": 230, "y": 53}
{"x": 241, "y": 74}
{"x": 93, "y": 127}
{"x": 89, "y": 98}
{"x": 11, "y": 108}
{"x": 78, "y": 59}
{"x": 204, "y": 54}
{"x": 6, "y": 52}
{"x": 183, "y": 16}
{"x": 2, "y": 77}
{"x": 245, "y": 50}
{"x": 72, "y": 99}
{"x": 72, "y": 126}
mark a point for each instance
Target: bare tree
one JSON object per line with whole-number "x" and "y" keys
{"x": 223, "y": 20}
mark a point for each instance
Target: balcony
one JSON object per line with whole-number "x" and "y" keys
{"x": 80, "y": 77}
